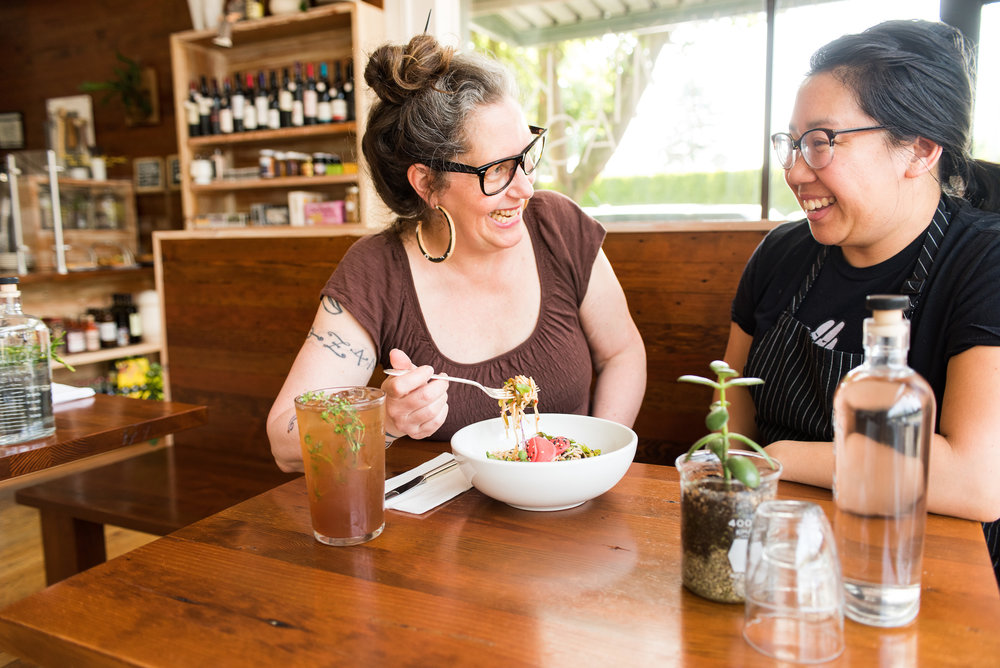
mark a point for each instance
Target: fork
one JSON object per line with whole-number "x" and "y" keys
{"x": 492, "y": 392}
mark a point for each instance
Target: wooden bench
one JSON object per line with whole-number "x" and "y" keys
{"x": 236, "y": 310}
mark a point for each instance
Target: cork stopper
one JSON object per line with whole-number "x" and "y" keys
{"x": 887, "y": 315}
{"x": 9, "y": 286}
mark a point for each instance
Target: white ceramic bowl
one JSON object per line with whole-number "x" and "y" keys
{"x": 545, "y": 485}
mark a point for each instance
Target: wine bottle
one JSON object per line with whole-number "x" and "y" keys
{"x": 323, "y": 113}
{"x": 286, "y": 97}
{"x": 261, "y": 101}
{"x": 204, "y": 108}
{"x": 338, "y": 107}
{"x": 226, "y": 123}
{"x": 191, "y": 111}
{"x": 216, "y": 108}
{"x": 238, "y": 102}
{"x": 310, "y": 97}
{"x": 349, "y": 89}
{"x": 274, "y": 103}
{"x": 250, "y": 108}
{"x": 298, "y": 97}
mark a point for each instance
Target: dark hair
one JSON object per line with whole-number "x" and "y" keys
{"x": 426, "y": 93}
{"x": 918, "y": 78}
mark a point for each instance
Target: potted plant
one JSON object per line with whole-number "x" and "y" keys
{"x": 135, "y": 86}
{"x": 720, "y": 489}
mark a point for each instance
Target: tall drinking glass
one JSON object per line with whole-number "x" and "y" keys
{"x": 342, "y": 433}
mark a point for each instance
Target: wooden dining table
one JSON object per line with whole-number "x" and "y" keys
{"x": 96, "y": 425}
{"x": 473, "y": 582}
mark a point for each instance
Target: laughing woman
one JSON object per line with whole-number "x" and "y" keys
{"x": 480, "y": 276}
{"x": 877, "y": 154}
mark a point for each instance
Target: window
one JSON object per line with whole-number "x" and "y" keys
{"x": 667, "y": 122}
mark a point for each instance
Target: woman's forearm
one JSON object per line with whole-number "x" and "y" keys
{"x": 620, "y": 387}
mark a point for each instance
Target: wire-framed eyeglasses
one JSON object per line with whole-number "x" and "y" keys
{"x": 497, "y": 175}
{"x": 816, "y": 145}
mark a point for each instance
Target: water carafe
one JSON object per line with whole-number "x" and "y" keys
{"x": 25, "y": 374}
{"x": 883, "y": 415}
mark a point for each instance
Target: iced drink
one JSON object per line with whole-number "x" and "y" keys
{"x": 343, "y": 449}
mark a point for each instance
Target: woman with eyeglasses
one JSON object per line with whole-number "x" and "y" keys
{"x": 877, "y": 154}
{"x": 479, "y": 276}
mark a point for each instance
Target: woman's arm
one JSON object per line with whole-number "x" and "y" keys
{"x": 965, "y": 455}
{"x": 616, "y": 347}
{"x": 339, "y": 352}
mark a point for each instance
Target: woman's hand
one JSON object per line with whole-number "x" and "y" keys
{"x": 415, "y": 405}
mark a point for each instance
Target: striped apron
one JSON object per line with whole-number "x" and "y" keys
{"x": 800, "y": 378}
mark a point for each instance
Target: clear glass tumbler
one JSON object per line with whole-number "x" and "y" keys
{"x": 342, "y": 434}
{"x": 794, "y": 591}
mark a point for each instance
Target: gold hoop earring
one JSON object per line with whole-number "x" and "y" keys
{"x": 451, "y": 237}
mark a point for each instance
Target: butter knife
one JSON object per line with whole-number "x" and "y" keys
{"x": 420, "y": 479}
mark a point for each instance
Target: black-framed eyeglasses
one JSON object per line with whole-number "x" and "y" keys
{"x": 497, "y": 175}
{"x": 816, "y": 145}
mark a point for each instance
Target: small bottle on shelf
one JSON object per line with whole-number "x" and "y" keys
{"x": 226, "y": 119}
{"x": 75, "y": 342}
{"x": 237, "y": 101}
{"x": 338, "y": 106}
{"x": 249, "y": 106}
{"x": 191, "y": 107}
{"x": 349, "y": 90}
{"x": 204, "y": 109}
{"x": 323, "y": 112}
{"x": 274, "y": 104}
{"x": 286, "y": 99}
{"x": 351, "y": 205}
{"x": 91, "y": 334}
{"x": 310, "y": 97}
{"x": 260, "y": 100}
{"x": 107, "y": 328}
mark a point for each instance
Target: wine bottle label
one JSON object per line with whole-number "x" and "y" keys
{"x": 324, "y": 114}
{"x": 338, "y": 109}
{"x": 309, "y": 101}
{"x": 226, "y": 121}
{"x": 285, "y": 100}
{"x": 273, "y": 119}
{"x": 250, "y": 117}
{"x": 298, "y": 113}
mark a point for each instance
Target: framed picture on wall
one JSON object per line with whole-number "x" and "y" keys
{"x": 11, "y": 129}
{"x": 173, "y": 172}
{"x": 148, "y": 175}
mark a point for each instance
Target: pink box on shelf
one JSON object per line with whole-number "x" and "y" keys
{"x": 324, "y": 213}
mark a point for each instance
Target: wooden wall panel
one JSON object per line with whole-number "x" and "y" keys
{"x": 237, "y": 310}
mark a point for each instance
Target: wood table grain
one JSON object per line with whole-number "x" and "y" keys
{"x": 472, "y": 583}
{"x": 98, "y": 424}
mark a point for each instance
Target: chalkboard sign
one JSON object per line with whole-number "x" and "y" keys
{"x": 148, "y": 175}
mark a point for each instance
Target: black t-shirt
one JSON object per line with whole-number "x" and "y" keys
{"x": 959, "y": 304}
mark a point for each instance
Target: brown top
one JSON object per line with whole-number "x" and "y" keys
{"x": 373, "y": 282}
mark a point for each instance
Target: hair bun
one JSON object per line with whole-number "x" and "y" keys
{"x": 399, "y": 72}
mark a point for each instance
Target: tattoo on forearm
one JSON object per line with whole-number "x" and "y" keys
{"x": 336, "y": 344}
{"x": 291, "y": 424}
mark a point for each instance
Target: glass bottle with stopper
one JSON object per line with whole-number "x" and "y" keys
{"x": 883, "y": 413}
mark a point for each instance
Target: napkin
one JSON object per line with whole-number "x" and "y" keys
{"x": 430, "y": 494}
{"x": 61, "y": 393}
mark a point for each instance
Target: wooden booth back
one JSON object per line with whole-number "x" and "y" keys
{"x": 238, "y": 308}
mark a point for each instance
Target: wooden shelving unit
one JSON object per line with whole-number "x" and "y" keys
{"x": 341, "y": 32}
{"x": 98, "y": 222}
